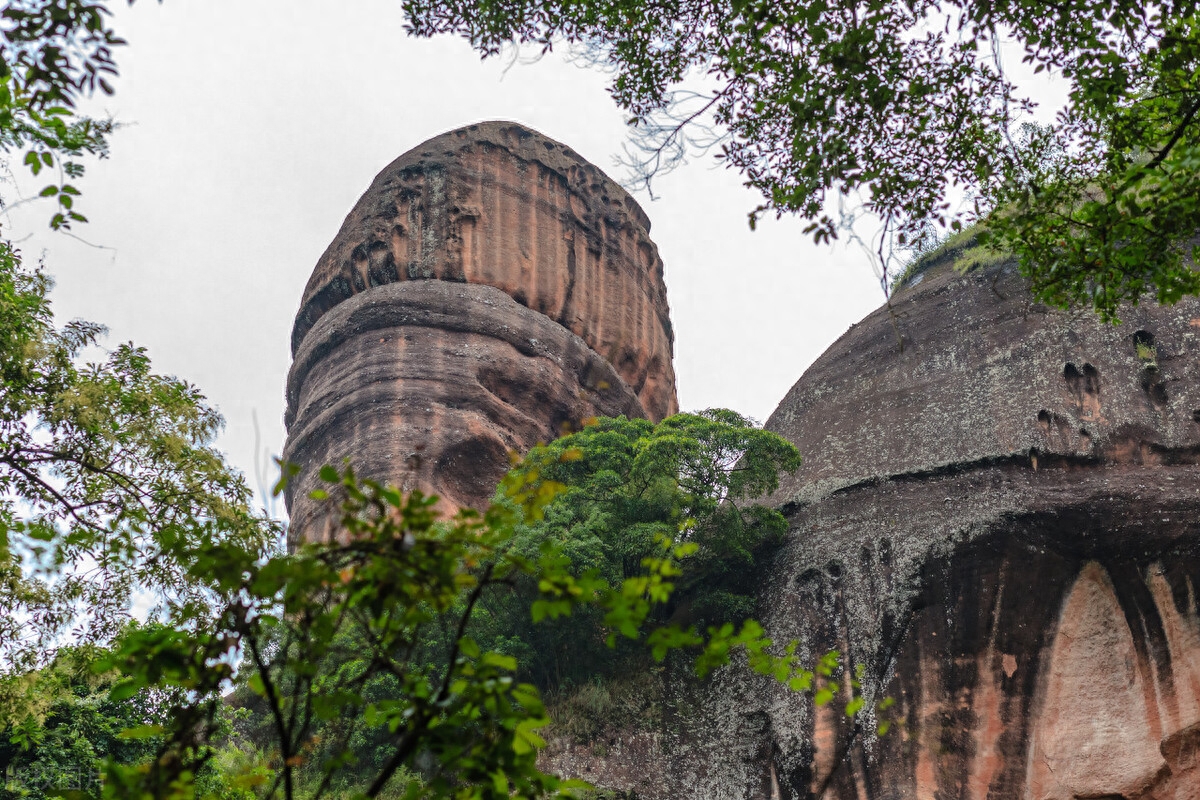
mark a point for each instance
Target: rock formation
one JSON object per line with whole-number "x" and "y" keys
{"x": 1000, "y": 520}
{"x": 489, "y": 290}
{"x": 1002, "y": 524}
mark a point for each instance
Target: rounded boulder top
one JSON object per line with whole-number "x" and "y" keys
{"x": 985, "y": 374}
{"x": 496, "y": 203}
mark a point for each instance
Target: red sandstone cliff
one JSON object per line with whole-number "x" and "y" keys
{"x": 1003, "y": 523}
{"x": 489, "y": 290}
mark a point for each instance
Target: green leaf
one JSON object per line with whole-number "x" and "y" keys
{"x": 141, "y": 732}
{"x": 500, "y": 661}
{"x": 525, "y": 737}
{"x": 123, "y": 690}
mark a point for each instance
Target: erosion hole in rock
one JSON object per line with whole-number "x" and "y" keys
{"x": 1196, "y": 416}
{"x": 811, "y": 577}
{"x": 518, "y": 393}
{"x": 1043, "y": 419}
{"x": 500, "y": 384}
{"x": 1156, "y": 393}
{"x": 1143, "y": 339}
{"x": 1085, "y": 386}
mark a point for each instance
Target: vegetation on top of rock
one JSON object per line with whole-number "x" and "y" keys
{"x": 966, "y": 250}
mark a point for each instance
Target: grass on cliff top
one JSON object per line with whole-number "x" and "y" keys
{"x": 963, "y": 251}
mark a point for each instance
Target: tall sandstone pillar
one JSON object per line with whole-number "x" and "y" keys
{"x": 490, "y": 290}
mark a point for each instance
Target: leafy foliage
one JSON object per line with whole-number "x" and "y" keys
{"x": 53, "y": 53}
{"x": 628, "y": 486}
{"x": 107, "y": 480}
{"x": 71, "y": 729}
{"x": 897, "y": 103}
{"x": 333, "y": 641}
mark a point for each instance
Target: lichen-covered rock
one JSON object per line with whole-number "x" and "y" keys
{"x": 1002, "y": 522}
{"x": 489, "y": 291}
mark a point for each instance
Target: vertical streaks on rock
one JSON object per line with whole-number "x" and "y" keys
{"x": 490, "y": 290}
{"x": 1095, "y": 732}
{"x": 1041, "y": 499}
{"x": 498, "y": 204}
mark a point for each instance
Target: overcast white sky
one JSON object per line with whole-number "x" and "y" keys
{"x": 253, "y": 126}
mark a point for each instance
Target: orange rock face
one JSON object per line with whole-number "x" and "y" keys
{"x": 489, "y": 291}
{"x": 499, "y": 204}
{"x": 1001, "y": 524}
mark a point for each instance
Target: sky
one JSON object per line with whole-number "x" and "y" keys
{"x": 251, "y": 127}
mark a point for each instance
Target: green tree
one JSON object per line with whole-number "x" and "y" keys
{"x": 628, "y": 485}
{"x": 319, "y": 631}
{"x": 897, "y": 102}
{"x": 107, "y": 479}
{"x": 107, "y": 472}
{"x": 53, "y": 53}
{"x": 109, "y": 485}
{"x": 72, "y": 729}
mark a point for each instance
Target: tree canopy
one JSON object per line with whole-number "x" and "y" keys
{"x": 52, "y": 54}
{"x": 897, "y": 103}
{"x": 628, "y": 484}
{"x": 108, "y": 478}
{"x": 358, "y": 655}
{"x": 110, "y": 485}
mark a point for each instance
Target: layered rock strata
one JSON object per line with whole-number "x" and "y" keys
{"x": 490, "y": 290}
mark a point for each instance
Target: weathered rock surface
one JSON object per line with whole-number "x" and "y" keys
{"x": 499, "y": 204}
{"x": 1002, "y": 524}
{"x": 1000, "y": 520}
{"x": 489, "y": 291}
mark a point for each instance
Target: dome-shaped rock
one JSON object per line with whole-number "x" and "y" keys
{"x": 490, "y": 290}
{"x": 1001, "y": 521}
